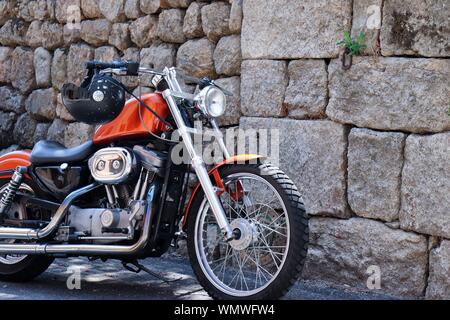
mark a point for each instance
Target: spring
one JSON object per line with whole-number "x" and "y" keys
{"x": 10, "y": 192}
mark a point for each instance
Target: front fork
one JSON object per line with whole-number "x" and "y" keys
{"x": 200, "y": 169}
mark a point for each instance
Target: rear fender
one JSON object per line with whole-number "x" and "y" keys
{"x": 217, "y": 180}
{"x": 9, "y": 162}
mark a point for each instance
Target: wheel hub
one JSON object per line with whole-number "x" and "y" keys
{"x": 245, "y": 233}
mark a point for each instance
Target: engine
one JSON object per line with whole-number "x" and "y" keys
{"x": 103, "y": 225}
{"x": 116, "y": 168}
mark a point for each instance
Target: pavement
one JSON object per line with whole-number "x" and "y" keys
{"x": 110, "y": 281}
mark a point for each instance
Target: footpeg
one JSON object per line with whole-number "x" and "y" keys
{"x": 136, "y": 267}
{"x": 11, "y": 191}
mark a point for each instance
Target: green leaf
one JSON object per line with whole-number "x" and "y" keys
{"x": 348, "y": 37}
{"x": 362, "y": 38}
{"x": 354, "y": 46}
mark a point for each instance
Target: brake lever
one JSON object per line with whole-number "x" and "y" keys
{"x": 225, "y": 91}
{"x": 203, "y": 82}
{"x": 208, "y": 82}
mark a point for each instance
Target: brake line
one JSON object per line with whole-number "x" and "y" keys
{"x": 142, "y": 103}
{"x": 147, "y": 107}
{"x": 148, "y": 129}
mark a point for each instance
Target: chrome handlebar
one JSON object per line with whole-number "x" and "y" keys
{"x": 170, "y": 74}
{"x": 124, "y": 72}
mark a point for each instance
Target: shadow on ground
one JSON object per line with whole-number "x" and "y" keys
{"x": 110, "y": 281}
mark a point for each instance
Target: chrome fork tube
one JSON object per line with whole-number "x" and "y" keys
{"x": 200, "y": 169}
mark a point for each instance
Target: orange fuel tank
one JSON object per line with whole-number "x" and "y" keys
{"x": 128, "y": 124}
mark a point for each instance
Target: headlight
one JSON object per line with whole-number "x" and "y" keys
{"x": 212, "y": 101}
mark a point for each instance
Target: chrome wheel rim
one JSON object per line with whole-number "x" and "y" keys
{"x": 16, "y": 212}
{"x": 246, "y": 266}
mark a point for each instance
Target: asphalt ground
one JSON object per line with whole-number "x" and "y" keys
{"x": 110, "y": 281}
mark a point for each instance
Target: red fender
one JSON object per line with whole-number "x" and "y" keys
{"x": 214, "y": 174}
{"x": 9, "y": 162}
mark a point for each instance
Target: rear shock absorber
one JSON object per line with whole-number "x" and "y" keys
{"x": 11, "y": 191}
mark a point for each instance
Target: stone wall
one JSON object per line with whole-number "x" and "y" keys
{"x": 368, "y": 147}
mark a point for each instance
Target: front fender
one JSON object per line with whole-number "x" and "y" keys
{"x": 9, "y": 162}
{"x": 215, "y": 177}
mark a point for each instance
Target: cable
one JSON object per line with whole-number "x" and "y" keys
{"x": 150, "y": 131}
{"x": 147, "y": 107}
{"x": 122, "y": 86}
{"x": 142, "y": 103}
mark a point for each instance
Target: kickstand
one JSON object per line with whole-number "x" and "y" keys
{"x": 136, "y": 267}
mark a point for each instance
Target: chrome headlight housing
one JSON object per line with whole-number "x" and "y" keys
{"x": 212, "y": 101}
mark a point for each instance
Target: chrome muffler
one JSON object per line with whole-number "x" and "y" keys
{"x": 85, "y": 249}
{"x": 78, "y": 249}
{"x": 36, "y": 234}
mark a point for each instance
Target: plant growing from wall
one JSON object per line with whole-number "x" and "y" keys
{"x": 353, "y": 47}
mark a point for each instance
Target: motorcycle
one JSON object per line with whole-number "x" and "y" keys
{"x": 121, "y": 196}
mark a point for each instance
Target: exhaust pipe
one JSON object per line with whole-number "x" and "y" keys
{"x": 36, "y": 234}
{"x": 87, "y": 249}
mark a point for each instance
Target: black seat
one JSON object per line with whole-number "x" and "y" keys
{"x": 50, "y": 152}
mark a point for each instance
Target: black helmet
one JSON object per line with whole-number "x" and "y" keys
{"x": 99, "y": 99}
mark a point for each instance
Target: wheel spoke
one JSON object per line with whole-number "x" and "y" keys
{"x": 225, "y": 261}
{"x": 263, "y": 269}
{"x": 242, "y": 272}
{"x": 271, "y": 230}
{"x": 274, "y": 252}
{"x": 278, "y": 218}
{"x": 264, "y": 247}
{"x": 221, "y": 259}
{"x": 270, "y": 251}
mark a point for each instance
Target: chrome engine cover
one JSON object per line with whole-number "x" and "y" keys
{"x": 101, "y": 225}
{"x": 112, "y": 165}
{"x": 91, "y": 222}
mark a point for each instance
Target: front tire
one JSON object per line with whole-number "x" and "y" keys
{"x": 269, "y": 257}
{"x": 20, "y": 268}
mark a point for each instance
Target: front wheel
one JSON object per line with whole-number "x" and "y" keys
{"x": 265, "y": 211}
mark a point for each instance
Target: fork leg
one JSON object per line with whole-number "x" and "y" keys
{"x": 200, "y": 168}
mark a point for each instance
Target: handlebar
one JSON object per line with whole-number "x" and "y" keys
{"x": 131, "y": 68}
